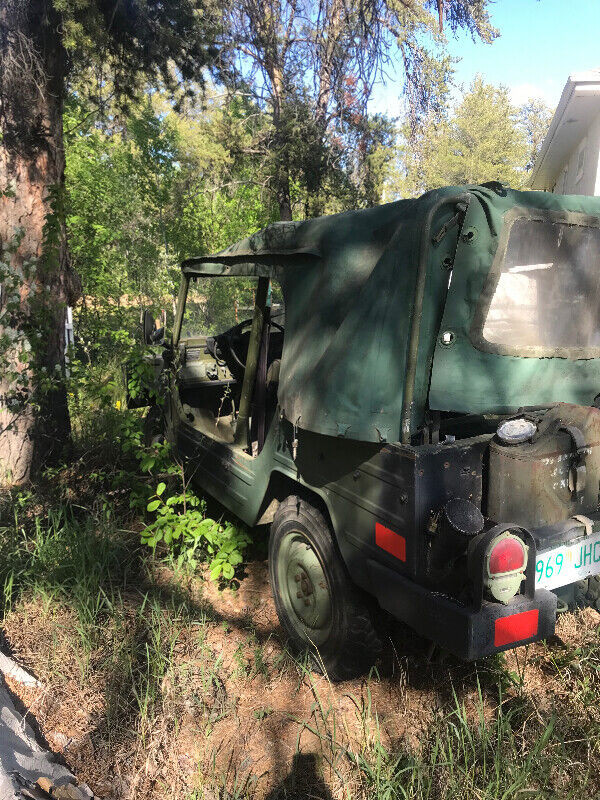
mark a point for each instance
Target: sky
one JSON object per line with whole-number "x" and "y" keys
{"x": 541, "y": 43}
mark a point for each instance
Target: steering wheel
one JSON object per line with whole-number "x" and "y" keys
{"x": 233, "y": 335}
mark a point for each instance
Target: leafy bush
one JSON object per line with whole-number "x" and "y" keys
{"x": 142, "y": 382}
{"x": 181, "y": 525}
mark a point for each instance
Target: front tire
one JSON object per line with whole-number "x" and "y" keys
{"x": 319, "y": 607}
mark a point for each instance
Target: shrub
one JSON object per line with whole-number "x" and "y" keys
{"x": 181, "y": 525}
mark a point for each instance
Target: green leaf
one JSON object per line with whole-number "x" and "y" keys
{"x": 153, "y": 505}
{"x": 147, "y": 463}
{"x": 160, "y": 488}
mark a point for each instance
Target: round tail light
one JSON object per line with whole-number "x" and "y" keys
{"x": 506, "y": 560}
{"x": 507, "y": 554}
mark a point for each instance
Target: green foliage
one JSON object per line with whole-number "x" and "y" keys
{"x": 534, "y": 118}
{"x": 121, "y": 206}
{"x": 142, "y": 381}
{"x": 149, "y": 192}
{"x": 130, "y": 468}
{"x": 485, "y": 138}
{"x": 134, "y": 41}
{"x": 181, "y": 525}
{"x": 65, "y": 557}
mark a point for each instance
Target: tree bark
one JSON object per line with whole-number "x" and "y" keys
{"x": 282, "y": 171}
{"x": 282, "y": 180}
{"x": 32, "y": 235}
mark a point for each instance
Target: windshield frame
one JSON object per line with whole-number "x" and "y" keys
{"x": 491, "y": 283}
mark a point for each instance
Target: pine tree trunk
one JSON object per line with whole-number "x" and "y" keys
{"x": 33, "y": 431}
{"x": 283, "y": 195}
{"x": 282, "y": 171}
{"x": 280, "y": 146}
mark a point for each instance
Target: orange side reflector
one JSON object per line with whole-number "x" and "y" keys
{"x": 390, "y": 541}
{"x": 516, "y": 627}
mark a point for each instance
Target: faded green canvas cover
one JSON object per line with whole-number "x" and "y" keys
{"x": 468, "y": 376}
{"x": 349, "y": 284}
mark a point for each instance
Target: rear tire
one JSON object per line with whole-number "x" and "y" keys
{"x": 318, "y": 605}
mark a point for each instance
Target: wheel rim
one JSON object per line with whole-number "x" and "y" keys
{"x": 304, "y": 588}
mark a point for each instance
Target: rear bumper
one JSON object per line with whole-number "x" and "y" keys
{"x": 467, "y": 633}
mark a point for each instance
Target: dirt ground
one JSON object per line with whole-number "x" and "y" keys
{"x": 234, "y": 715}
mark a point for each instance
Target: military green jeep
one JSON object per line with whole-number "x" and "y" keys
{"x": 407, "y": 395}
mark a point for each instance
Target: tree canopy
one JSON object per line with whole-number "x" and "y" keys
{"x": 187, "y": 124}
{"x": 483, "y": 137}
{"x": 310, "y": 67}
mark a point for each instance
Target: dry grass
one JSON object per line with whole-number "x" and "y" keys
{"x": 177, "y": 690}
{"x": 155, "y": 684}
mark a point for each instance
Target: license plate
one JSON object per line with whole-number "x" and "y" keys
{"x": 569, "y": 563}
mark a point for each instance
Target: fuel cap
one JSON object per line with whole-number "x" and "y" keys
{"x": 516, "y": 431}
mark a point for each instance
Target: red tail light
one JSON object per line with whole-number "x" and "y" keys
{"x": 506, "y": 562}
{"x": 507, "y": 555}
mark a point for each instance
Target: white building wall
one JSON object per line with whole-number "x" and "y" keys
{"x": 595, "y": 145}
{"x": 581, "y": 174}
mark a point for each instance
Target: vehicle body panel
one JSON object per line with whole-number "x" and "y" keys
{"x": 348, "y": 282}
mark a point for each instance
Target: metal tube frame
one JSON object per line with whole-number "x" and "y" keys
{"x": 260, "y": 304}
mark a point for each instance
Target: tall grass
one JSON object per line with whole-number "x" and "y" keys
{"x": 86, "y": 565}
{"x": 460, "y": 758}
{"x": 78, "y": 559}
{"x": 487, "y": 750}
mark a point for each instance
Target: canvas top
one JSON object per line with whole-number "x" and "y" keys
{"x": 351, "y": 290}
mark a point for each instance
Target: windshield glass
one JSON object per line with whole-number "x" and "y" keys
{"x": 547, "y": 296}
{"x": 215, "y": 304}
